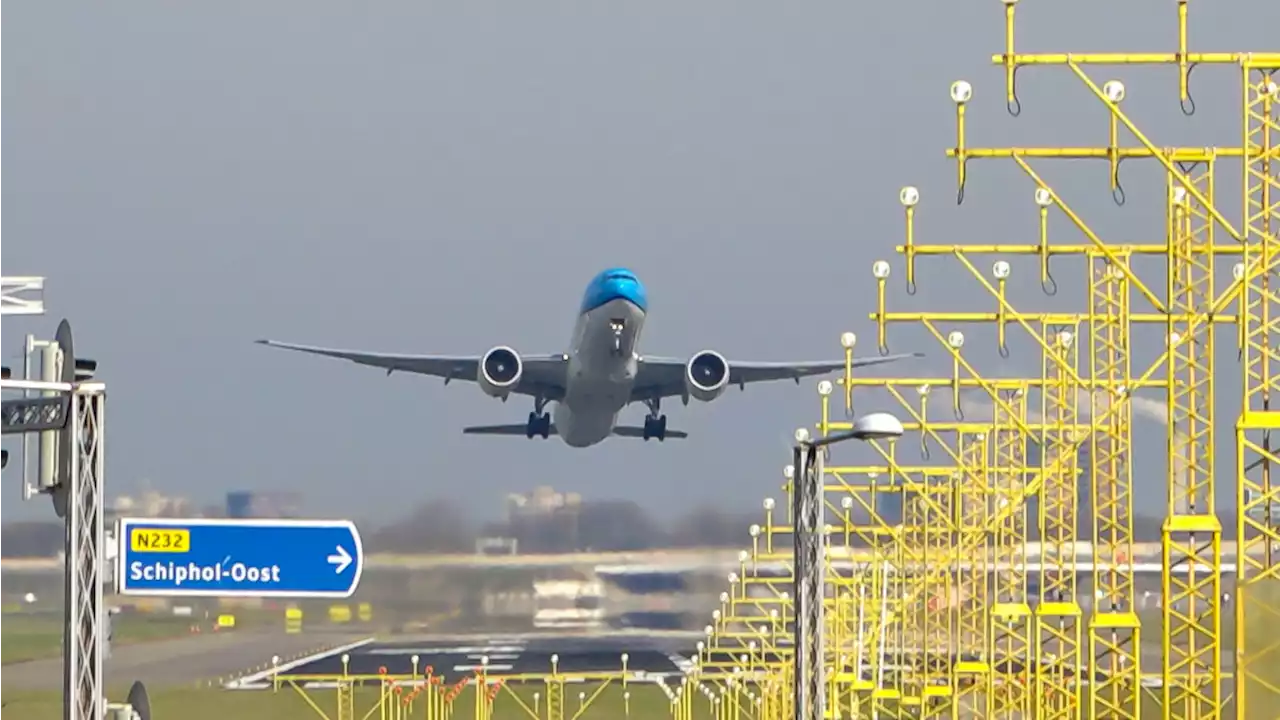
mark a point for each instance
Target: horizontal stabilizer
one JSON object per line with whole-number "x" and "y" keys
{"x": 521, "y": 431}
{"x": 499, "y": 430}
{"x": 638, "y": 432}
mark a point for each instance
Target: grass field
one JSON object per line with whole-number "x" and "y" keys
{"x": 646, "y": 701}
{"x": 37, "y": 635}
{"x": 31, "y": 637}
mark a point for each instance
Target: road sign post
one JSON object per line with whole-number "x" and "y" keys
{"x": 238, "y": 558}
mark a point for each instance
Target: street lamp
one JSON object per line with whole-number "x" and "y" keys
{"x": 810, "y": 537}
{"x": 875, "y": 426}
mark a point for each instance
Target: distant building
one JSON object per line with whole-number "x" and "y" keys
{"x": 149, "y": 504}
{"x": 256, "y": 504}
{"x": 544, "y": 500}
{"x": 544, "y": 520}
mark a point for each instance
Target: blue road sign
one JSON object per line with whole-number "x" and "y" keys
{"x": 248, "y": 558}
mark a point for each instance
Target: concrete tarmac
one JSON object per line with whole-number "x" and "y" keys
{"x": 182, "y": 661}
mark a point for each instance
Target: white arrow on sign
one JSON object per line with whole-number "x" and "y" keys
{"x": 340, "y": 560}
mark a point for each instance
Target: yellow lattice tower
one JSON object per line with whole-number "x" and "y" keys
{"x": 1192, "y": 533}
{"x": 1192, "y": 677}
{"x": 928, "y": 532}
{"x": 878, "y": 687}
{"x": 911, "y": 555}
{"x": 1058, "y": 657}
{"x": 935, "y": 557}
{"x": 887, "y": 569}
{"x": 1056, "y": 625}
{"x": 865, "y": 592}
{"x": 346, "y": 701}
{"x": 862, "y": 491}
{"x": 1189, "y": 307}
{"x": 555, "y": 697}
{"x": 1011, "y": 628}
{"x": 1257, "y": 492}
{"x": 972, "y": 668}
{"x": 1114, "y": 631}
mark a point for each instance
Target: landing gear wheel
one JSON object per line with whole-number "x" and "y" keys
{"x": 539, "y": 425}
{"x": 655, "y": 427}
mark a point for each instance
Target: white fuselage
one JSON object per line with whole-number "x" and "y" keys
{"x": 602, "y": 371}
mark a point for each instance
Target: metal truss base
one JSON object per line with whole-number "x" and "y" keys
{"x": 34, "y": 414}
{"x": 810, "y": 573}
{"x": 83, "y": 643}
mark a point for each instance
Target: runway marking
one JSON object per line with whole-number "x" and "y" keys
{"x": 681, "y": 662}
{"x": 652, "y": 678}
{"x": 256, "y": 680}
{"x": 489, "y": 668}
{"x": 467, "y": 650}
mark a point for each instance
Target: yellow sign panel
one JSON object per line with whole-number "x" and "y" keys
{"x": 293, "y": 620}
{"x": 160, "y": 540}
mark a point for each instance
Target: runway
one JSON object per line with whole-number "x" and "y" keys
{"x": 648, "y": 657}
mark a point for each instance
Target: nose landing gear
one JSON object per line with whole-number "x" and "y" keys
{"x": 655, "y": 424}
{"x": 539, "y": 422}
{"x": 618, "y": 326}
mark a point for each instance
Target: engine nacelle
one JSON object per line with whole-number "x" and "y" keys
{"x": 500, "y": 371}
{"x": 706, "y": 376}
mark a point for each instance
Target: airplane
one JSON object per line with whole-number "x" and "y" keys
{"x": 600, "y": 374}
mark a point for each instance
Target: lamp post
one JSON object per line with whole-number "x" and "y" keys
{"x": 810, "y": 540}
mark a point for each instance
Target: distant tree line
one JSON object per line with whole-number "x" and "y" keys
{"x": 602, "y": 526}
{"x": 599, "y": 526}
{"x": 439, "y": 526}
{"x": 31, "y": 539}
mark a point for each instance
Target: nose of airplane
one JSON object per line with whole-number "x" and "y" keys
{"x": 627, "y": 286}
{"x": 615, "y": 284}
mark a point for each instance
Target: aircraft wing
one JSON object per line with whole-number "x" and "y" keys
{"x": 544, "y": 375}
{"x": 660, "y": 377}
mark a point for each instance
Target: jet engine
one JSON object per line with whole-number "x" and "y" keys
{"x": 500, "y": 371}
{"x": 706, "y": 376}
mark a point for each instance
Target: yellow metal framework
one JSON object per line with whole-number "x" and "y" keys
{"x": 967, "y": 513}
{"x": 971, "y": 664}
{"x": 1257, "y": 492}
{"x": 1058, "y": 657}
{"x": 1010, "y": 618}
{"x": 482, "y": 695}
{"x": 1114, "y": 628}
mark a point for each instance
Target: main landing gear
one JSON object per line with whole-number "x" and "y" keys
{"x": 539, "y": 421}
{"x": 655, "y": 424}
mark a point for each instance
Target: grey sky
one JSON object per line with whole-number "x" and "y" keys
{"x": 436, "y": 177}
